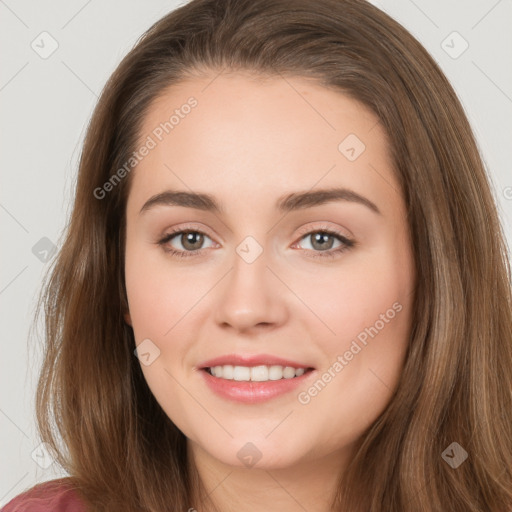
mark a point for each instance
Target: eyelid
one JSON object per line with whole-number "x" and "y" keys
{"x": 304, "y": 230}
{"x": 325, "y": 226}
{"x": 187, "y": 227}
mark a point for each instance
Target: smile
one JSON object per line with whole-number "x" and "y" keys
{"x": 237, "y": 383}
{"x": 261, "y": 373}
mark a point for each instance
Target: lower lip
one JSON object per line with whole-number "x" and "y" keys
{"x": 249, "y": 392}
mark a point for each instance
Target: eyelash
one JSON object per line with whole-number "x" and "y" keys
{"x": 332, "y": 253}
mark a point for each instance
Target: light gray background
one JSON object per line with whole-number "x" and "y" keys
{"x": 46, "y": 104}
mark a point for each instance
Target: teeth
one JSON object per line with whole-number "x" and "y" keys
{"x": 256, "y": 373}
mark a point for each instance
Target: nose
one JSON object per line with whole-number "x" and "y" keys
{"x": 251, "y": 297}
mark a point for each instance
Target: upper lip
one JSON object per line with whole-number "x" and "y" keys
{"x": 250, "y": 360}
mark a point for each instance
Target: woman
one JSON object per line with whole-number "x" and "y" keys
{"x": 284, "y": 283}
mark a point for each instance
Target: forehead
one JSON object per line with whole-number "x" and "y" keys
{"x": 260, "y": 137}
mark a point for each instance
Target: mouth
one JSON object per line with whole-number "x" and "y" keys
{"x": 256, "y": 384}
{"x": 259, "y": 373}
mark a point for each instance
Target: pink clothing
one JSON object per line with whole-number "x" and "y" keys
{"x": 52, "y": 496}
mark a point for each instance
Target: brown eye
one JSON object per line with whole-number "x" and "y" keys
{"x": 320, "y": 240}
{"x": 324, "y": 240}
{"x": 191, "y": 240}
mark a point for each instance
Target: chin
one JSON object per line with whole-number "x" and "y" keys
{"x": 256, "y": 454}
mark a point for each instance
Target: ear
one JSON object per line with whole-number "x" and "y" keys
{"x": 128, "y": 319}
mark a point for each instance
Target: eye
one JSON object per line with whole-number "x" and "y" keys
{"x": 322, "y": 242}
{"x": 190, "y": 240}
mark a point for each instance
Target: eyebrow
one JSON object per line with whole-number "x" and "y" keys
{"x": 287, "y": 203}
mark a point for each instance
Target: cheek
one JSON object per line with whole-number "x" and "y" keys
{"x": 159, "y": 294}
{"x": 363, "y": 359}
{"x": 369, "y": 311}
{"x": 370, "y": 303}
{"x": 344, "y": 303}
{"x": 157, "y": 303}
{"x": 145, "y": 299}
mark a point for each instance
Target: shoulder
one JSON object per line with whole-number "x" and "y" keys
{"x": 53, "y": 496}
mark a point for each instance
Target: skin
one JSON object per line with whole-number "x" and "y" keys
{"x": 248, "y": 142}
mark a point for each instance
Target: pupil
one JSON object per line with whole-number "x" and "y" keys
{"x": 189, "y": 240}
{"x": 320, "y": 239}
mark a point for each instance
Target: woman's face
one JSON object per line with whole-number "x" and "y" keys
{"x": 284, "y": 161}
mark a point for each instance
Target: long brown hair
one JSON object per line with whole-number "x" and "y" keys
{"x": 94, "y": 408}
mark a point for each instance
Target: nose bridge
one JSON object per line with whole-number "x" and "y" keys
{"x": 249, "y": 295}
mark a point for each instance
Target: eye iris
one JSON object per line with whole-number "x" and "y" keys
{"x": 193, "y": 238}
{"x": 320, "y": 238}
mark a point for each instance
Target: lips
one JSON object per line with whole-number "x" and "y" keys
{"x": 251, "y": 392}
{"x": 252, "y": 360}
